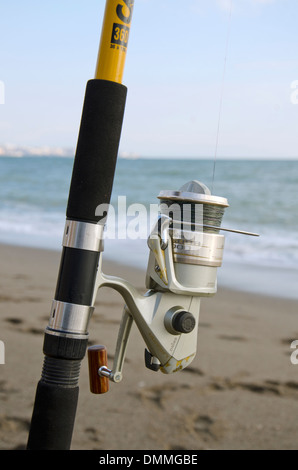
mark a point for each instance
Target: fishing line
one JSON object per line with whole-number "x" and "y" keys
{"x": 185, "y": 215}
{"x": 222, "y": 93}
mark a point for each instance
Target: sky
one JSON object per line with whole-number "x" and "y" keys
{"x": 205, "y": 78}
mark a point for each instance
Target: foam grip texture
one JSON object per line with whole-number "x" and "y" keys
{"x": 97, "y": 149}
{"x": 76, "y": 278}
{"x": 53, "y": 417}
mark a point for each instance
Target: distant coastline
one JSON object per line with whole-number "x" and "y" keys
{"x": 19, "y": 151}
{"x": 29, "y": 151}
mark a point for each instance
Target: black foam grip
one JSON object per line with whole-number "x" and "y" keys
{"x": 76, "y": 278}
{"x": 97, "y": 149}
{"x": 53, "y": 417}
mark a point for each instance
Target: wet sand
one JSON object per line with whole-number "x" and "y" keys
{"x": 240, "y": 392}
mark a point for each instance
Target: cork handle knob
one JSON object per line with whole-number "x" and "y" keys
{"x": 97, "y": 357}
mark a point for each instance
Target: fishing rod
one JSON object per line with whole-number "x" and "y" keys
{"x": 185, "y": 250}
{"x": 66, "y": 336}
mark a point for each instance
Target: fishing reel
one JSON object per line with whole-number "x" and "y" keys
{"x": 186, "y": 248}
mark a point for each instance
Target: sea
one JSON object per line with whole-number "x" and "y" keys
{"x": 262, "y": 197}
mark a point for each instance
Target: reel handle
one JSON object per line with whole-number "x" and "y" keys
{"x": 97, "y": 358}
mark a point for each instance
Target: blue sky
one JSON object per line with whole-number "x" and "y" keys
{"x": 174, "y": 71}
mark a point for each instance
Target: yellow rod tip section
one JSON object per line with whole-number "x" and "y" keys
{"x": 114, "y": 40}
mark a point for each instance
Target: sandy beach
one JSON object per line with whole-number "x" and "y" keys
{"x": 240, "y": 392}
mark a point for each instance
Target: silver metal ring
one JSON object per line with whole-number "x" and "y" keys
{"x": 69, "y": 318}
{"x": 185, "y": 196}
{"x": 83, "y": 235}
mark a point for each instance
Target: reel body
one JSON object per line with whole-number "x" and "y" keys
{"x": 186, "y": 249}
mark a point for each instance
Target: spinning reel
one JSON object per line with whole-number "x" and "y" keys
{"x": 186, "y": 248}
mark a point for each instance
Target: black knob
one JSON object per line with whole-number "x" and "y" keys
{"x": 184, "y": 322}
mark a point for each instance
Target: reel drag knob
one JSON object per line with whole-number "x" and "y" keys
{"x": 179, "y": 321}
{"x": 184, "y": 322}
{"x": 97, "y": 359}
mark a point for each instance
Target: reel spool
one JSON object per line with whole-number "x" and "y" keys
{"x": 193, "y": 218}
{"x": 186, "y": 246}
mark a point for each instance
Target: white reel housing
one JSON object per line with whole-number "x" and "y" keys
{"x": 186, "y": 248}
{"x": 185, "y": 251}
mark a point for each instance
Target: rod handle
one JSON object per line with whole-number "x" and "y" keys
{"x": 97, "y": 358}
